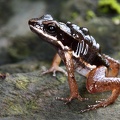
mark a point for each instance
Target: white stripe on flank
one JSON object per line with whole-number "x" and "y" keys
{"x": 82, "y": 48}
{"x": 86, "y": 50}
{"x": 79, "y": 49}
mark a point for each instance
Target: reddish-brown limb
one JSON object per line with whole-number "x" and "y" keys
{"x": 74, "y": 94}
{"x": 114, "y": 67}
{"x": 98, "y": 82}
{"x": 55, "y": 66}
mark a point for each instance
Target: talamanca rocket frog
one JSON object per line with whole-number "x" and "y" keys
{"x": 81, "y": 53}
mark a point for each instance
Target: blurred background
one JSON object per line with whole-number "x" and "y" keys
{"x": 18, "y": 43}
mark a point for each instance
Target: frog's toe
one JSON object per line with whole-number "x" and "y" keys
{"x": 62, "y": 71}
{"x": 93, "y": 107}
{"x": 69, "y": 99}
{"x": 90, "y": 107}
{"x": 54, "y": 70}
{"x": 83, "y": 99}
{"x": 48, "y": 71}
{"x": 66, "y": 100}
{"x": 99, "y": 101}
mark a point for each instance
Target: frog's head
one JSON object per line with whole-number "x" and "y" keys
{"x": 62, "y": 36}
{"x": 50, "y": 30}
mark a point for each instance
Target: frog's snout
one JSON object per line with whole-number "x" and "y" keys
{"x": 31, "y": 22}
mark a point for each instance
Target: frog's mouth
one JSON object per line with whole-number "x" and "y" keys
{"x": 51, "y": 39}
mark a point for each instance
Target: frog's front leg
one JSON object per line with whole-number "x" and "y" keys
{"x": 98, "y": 82}
{"x": 74, "y": 94}
{"x": 55, "y": 66}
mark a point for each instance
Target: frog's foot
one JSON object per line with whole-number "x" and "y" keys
{"x": 3, "y": 76}
{"x": 69, "y": 99}
{"x": 93, "y": 107}
{"x": 102, "y": 103}
{"x": 54, "y": 69}
{"x": 55, "y": 66}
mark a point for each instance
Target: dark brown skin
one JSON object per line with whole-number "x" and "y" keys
{"x": 79, "y": 51}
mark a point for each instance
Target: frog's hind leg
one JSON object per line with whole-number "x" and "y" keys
{"x": 105, "y": 103}
{"x": 98, "y": 82}
{"x": 114, "y": 66}
{"x": 55, "y": 66}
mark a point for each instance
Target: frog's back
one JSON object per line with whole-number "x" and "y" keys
{"x": 85, "y": 46}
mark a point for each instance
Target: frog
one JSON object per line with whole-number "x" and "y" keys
{"x": 80, "y": 53}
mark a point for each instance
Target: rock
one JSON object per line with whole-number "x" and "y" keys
{"x": 32, "y": 96}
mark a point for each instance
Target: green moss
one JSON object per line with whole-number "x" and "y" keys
{"x": 109, "y": 6}
{"x": 74, "y": 15}
{"x": 22, "y": 83}
{"x": 31, "y": 105}
{"x": 19, "y": 105}
{"x": 62, "y": 78}
{"x": 90, "y": 14}
{"x": 15, "y": 109}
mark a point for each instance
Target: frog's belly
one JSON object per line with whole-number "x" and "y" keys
{"x": 84, "y": 71}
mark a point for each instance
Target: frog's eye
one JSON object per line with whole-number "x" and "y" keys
{"x": 51, "y": 29}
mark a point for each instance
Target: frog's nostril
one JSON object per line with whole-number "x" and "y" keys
{"x": 31, "y": 22}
